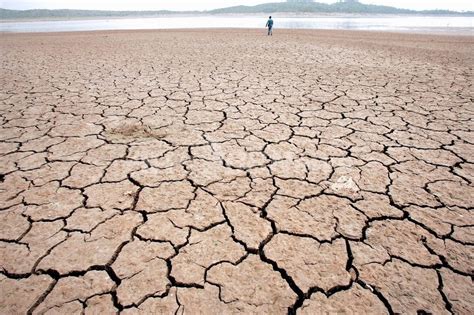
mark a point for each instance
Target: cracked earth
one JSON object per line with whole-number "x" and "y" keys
{"x": 226, "y": 172}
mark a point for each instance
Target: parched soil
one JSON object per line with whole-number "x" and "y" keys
{"x": 224, "y": 171}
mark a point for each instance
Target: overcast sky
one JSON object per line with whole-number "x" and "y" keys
{"x": 209, "y": 4}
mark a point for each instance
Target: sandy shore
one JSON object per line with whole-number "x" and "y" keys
{"x": 224, "y": 171}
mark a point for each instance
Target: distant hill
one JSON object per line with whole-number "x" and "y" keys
{"x": 312, "y": 7}
{"x": 339, "y": 7}
{"x": 282, "y": 7}
{"x": 6, "y": 14}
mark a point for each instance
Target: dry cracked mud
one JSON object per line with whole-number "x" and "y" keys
{"x": 198, "y": 172}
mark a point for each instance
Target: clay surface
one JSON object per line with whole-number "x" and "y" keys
{"x": 226, "y": 172}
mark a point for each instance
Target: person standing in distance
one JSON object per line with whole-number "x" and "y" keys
{"x": 270, "y": 26}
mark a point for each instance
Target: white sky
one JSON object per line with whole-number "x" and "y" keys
{"x": 181, "y": 5}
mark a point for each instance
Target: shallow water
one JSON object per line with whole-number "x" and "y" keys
{"x": 428, "y": 24}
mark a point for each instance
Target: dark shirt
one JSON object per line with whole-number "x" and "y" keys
{"x": 269, "y": 23}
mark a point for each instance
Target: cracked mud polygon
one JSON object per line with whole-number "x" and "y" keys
{"x": 223, "y": 172}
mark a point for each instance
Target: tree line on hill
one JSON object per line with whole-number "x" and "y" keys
{"x": 282, "y": 7}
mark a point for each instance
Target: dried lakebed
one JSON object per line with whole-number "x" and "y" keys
{"x": 222, "y": 171}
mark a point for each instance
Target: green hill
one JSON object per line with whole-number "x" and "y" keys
{"x": 287, "y": 7}
{"x": 339, "y": 7}
{"x": 6, "y": 14}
